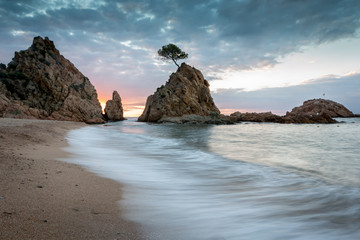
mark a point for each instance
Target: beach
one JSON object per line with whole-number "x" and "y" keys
{"x": 44, "y": 198}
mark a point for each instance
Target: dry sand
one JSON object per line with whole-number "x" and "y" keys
{"x": 42, "y": 198}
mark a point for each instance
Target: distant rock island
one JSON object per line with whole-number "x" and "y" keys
{"x": 40, "y": 83}
{"x": 312, "y": 111}
{"x": 184, "y": 98}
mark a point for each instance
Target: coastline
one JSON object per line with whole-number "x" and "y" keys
{"x": 44, "y": 198}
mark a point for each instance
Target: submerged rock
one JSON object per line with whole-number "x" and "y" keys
{"x": 184, "y": 98}
{"x": 41, "y": 83}
{"x": 113, "y": 109}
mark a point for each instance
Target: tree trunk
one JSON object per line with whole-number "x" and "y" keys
{"x": 175, "y": 62}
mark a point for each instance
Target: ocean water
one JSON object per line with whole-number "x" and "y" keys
{"x": 244, "y": 181}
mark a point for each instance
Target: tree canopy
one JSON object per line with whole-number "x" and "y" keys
{"x": 172, "y": 52}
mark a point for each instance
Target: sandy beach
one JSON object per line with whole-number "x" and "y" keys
{"x": 43, "y": 198}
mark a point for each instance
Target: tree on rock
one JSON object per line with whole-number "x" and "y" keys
{"x": 172, "y": 52}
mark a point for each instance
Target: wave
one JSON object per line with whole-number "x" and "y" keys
{"x": 179, "y": 185}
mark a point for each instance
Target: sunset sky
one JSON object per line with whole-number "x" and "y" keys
{"x": 259, "y": 55}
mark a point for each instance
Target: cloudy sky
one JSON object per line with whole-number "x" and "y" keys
{"x": 259, "y": 55}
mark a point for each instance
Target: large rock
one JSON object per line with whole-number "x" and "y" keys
{"x": 184, "y": 98}
{"x": 41, "y": 83}
{"x": 317, "y": 111}
{"x": 113, "y": 109}
{"x": 321, "y": 106}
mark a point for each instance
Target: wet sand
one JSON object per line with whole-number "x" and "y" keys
{"x": 43, "y": 198}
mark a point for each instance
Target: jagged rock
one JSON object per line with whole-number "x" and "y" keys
{"x": 184, "y": 98}
{"x": 41, "y": 83}
{"x": 113, "y": 109}
{"x": 255, "y": 117}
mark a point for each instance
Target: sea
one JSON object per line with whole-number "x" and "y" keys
{"x": 243, "y": 181}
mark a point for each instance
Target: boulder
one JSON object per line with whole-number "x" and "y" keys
{"x": 113, "y": 109}
{"x": 41, "y": 83}
{"x": 184, "y": 98}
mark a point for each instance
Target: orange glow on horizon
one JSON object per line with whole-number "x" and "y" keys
{"x": 130, "y": 106}
{"x": 102, "y": 104}
{"x": 133, "y": 111}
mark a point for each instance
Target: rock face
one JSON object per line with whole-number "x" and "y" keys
{"x": 113, "y": 109}
{"x": 41, "y": 83}
{"x": 184, "y": 98}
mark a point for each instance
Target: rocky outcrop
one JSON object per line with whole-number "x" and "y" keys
{"x": 317, "y": 111}
{"x": 255, "y": 117}
{"x": 184, "y": 98}
{"x": 41, "y": 83}
{"x": 312, "y": 111}
{"x": 113, "y": 109}
{"x": 299, "y": 118}
{"x": 319, "y": 107}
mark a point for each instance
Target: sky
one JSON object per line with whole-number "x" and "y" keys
{"x": 258, "y": 55}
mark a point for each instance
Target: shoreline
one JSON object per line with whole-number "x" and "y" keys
{"x": 45, "y": 198}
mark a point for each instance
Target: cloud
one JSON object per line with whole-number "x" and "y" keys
{"x": 345, "y": 90}
{"x": 240, "y": 33}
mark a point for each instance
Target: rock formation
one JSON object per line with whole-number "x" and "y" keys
{"x": 113, "y": 109}
{"x": 317, "y": 111}
{"x": 41, "y": 83}
{"x": 184, "y": 98}
{"x": 254, "y": 117}
{"x": 320, "y": 106}
{"x": 312, "y": 111}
